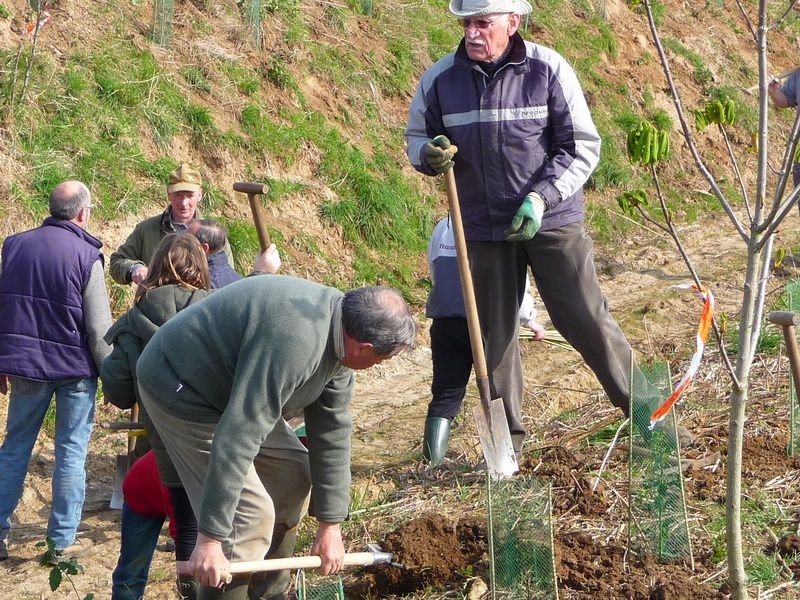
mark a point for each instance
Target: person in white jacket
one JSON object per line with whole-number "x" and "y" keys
{"x": 450, "y": 346}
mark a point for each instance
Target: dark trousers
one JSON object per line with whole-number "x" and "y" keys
{"x": 562, "y": 265}
{"x": 138, "y": 541}
{"x": 452, "y": 363}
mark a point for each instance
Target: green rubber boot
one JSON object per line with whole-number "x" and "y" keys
{"x": 434, "y": 442}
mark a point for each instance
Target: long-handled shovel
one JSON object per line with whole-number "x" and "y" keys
{"x": 125, "y": 461}
{"x": 490, "y": 417}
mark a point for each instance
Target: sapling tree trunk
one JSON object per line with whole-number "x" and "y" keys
{"x": 762, "y": 218}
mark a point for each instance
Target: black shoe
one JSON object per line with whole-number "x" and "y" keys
{"x": 3, "y": 550}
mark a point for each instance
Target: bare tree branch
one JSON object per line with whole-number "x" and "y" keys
{"x": 783, "y": 178}
{"x": 784, "y": 15}
{"x": 737, "y": 172}
{"x": 761, "y": 294}
{"x": 747, "y": 20}
{"x": 782, "y": 211}
{"x": 685, "y": 127}
{"x": 670, "y": 228}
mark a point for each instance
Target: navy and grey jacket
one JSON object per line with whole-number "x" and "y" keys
{"x": 526, "y": 129}
{"x": 220, "y": 271}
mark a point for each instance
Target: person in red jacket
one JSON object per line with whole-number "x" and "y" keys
{"x": 147, "y": 503}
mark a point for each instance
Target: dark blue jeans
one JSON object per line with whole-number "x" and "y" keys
{"x": 138, "y": 542}
{"x": 74, "y": 417}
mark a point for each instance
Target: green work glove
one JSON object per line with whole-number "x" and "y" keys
{"x": 527, "y": 219}
{"x": 438, "y": 154}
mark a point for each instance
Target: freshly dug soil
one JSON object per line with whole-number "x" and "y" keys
{"x": 572, "y": 491}
{"x": 601, "y": 572}
{"x": 435, "y": 550}
{"x": 442, "y": 553}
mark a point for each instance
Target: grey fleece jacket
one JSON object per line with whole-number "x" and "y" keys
{"x": 252, "y": 351}
{"x": 132, "y": 331}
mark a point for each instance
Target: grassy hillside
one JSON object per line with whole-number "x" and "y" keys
{"x": 317, "y": 111}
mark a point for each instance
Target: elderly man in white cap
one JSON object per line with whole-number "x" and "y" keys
{"x": 526, "y": 146}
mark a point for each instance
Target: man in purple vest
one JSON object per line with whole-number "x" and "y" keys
{"x": 53, "y": 314}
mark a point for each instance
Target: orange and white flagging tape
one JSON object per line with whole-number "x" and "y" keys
{"x": 703, "y": 328}
{"x": 44, "y": 19}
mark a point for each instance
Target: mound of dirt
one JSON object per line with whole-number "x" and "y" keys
{"x": 572, "y": 491}
{"x": 605, "y": 573}
{"x": 764, "y": 458}
{"x": 435, "y": 551}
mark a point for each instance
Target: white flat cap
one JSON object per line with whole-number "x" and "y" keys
{"x": 477, "y": 8}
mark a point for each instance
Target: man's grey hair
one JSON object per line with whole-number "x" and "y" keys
{"x": 68, "y": 198}
{"x": 212, "y": 233}
{"x": 378, "y": 315}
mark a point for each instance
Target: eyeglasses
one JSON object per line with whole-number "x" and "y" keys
{"x": 481, "y": 24}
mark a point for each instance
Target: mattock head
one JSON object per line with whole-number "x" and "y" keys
{"x": 383, "y": 558}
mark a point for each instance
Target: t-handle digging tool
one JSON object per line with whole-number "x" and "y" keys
{"x": 784, "y": 75}
{"x": 351, "y": 559}
{"x": 252, "y": 190}
{"x": 490, "y": 416}
{"x": 788, "y": 321}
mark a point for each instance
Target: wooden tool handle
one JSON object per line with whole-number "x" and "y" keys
{"x": 788, "y": 321}
{"x": 260, "y": 221}
{"x": 134, "y": 418}
{"x": 247, "y": 187}
{"x": 253, "y": 189}
{"x": 467, "y": 289}
{"x": 297, "y": 562}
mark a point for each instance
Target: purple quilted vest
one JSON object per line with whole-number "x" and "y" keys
{"x": 42, "y": 330}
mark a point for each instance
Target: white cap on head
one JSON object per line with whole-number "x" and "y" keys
{"x": 477, "y": 8}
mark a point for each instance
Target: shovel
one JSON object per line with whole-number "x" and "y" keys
{"x": 490, "y": 416}
{"x": 125, "y": 461}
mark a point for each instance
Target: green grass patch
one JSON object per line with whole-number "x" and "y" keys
{"x": 606, "y": 224}
{"x": 702, "y": 74}
{"x": 442, "y": 41}
{"x": 279, "y": 75}
{"x": 4, "y": 12}
{"x": 402, "y": 68}
{"x": 240, "y": 75}
{"x": 87, "y": 124}
{"x": 197, "y": 77}
{"x": 614, "y": 168}
{"x": 289, "y": 11}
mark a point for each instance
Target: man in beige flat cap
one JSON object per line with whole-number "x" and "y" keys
{"x": 184, "y": 191}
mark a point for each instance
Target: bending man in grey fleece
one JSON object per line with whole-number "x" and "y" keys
{"x": 216, "y": 380}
